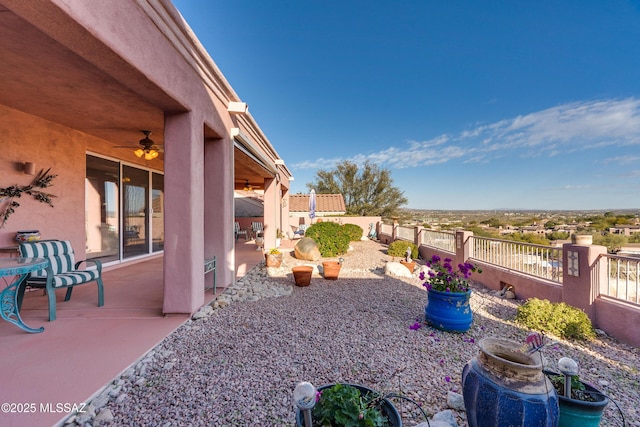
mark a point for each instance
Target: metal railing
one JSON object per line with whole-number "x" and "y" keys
{"x": 386, "y": 229}
{"x": 405, "y": 233}
{"x": 443, "y": 240}
{"x": 535, "y": 260}
{"x": 623, "y": 278}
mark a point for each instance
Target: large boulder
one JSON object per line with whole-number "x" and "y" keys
{"x": 307, "y": 249}
{"x": 393, "y": 268}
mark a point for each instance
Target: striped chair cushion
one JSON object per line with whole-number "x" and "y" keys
{"x": 58, "y": 252}
{"x": 68, "y": 279}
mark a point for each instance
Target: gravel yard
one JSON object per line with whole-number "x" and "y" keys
{"x": 239, "y": 366}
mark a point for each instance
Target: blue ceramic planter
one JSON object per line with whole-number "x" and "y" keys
{"x": 449, "y": 311}
{"x": 505, "y": 387}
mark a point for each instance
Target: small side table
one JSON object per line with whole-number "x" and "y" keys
{"x": 9, "y": 306}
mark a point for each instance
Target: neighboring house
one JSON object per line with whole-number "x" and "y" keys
{"x": 326, "y": 205}
{"x": 626, "y": 230}
{"x": 80, "y": 82}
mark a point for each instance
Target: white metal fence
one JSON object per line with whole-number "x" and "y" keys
{"x": 623, "y": 278}
{"x": 405, "y": 233}
{"x": 443, "y": 240}
{"x": 536, "y": 260}
{"x": 386, "y": 229}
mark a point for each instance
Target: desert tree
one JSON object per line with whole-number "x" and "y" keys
{"x": 367, "y": 190}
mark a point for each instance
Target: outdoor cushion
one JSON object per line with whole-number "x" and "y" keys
{"x": 62, "y": 271}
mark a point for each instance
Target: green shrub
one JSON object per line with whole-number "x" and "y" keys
{"x": 331, "y": 238}
{"x": 355, "y": 232}
{"x": 559, "y": 319}
{"x": 399, "y": 248}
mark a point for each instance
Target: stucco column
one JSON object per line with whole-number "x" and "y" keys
{"x": 271, "y": 214}
{"x": 417, "y": 235}
{"x": 580, "y": 276}
{"x": 219, "y": 209}
{"x": 394, "y": 233}
{"x": 464, "y": 248}
{"x": 184, "y": 214}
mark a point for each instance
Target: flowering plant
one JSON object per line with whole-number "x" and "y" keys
{"x": 443, "y": 278}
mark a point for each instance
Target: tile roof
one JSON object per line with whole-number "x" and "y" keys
{"x": 326, "y": 203}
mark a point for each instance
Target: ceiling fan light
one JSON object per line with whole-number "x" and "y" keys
{"x": 150, "y": 155}
{"x": 139, "y": 152}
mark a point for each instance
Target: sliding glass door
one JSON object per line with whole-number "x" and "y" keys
{"x": 124, "y": 210}
{"x": 157, "y": 211}
{"x": 135, "y": 212}
{"x": 102, "y": 200}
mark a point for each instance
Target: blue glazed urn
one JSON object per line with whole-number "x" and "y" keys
{"x": 449, "y": 311}
{"x": 503, "y": 386}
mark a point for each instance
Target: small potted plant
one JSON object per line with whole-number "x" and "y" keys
{"x": 351, "y": 405}
{"x": 584, "y": 407}
{"x": 273, "y": 258}
{"x": 448, "y": 294}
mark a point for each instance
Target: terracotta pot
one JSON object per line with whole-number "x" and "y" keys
{"x": 302, "y": 275}
{"x": 273, "y": 260}
{"x": 410, "y": 265}
{"x": 331, "y": 269}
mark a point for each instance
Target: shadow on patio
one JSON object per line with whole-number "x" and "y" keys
{"x": 87, "y": 346}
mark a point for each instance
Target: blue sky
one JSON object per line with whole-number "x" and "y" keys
{"x": 470, "y": 104}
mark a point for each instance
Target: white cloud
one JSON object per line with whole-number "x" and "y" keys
{"x": 576, "y": 187}
{"x": 555, "y": 131}
{"x": 622, "y": 160}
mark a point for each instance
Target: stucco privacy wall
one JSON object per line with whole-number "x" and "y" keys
{"x": 165, "y": 79}
{"x": 25, "y": 138}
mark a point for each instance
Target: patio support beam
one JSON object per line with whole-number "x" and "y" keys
{"x": 219, "y": 207}
{"x": 184, "y": 214}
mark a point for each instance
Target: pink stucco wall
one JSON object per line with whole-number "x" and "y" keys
{"x": 26, "y": 138}
{"x": 135, "y": 66}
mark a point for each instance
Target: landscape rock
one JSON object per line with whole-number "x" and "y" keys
{"x": 444, "y": 418}
{"x": 455, "y": 401}
{"x": 393, "y": 268}
{"x": 307, "y": 249}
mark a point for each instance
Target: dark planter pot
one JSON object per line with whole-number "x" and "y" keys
{"x": 449, "y": 311}
{"x": 581, "y": 413}
{"x": 331, "y": 270}
{"x": 387, "y": 408}
{"x": 302, "y": 275}
{"x": 502, "y": 386}
{"x": 273, "y": 260}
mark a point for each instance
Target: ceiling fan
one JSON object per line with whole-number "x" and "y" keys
{"x": 148, "y": 149}
{"x": 248, "y": 187}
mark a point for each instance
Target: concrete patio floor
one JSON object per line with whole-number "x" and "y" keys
{"x": 44, "y": 375}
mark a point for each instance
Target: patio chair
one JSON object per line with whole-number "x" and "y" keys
{"x": 300, "y": 231}
{"x": 62, "y": 271}
{"x": 238, "y": 231}
{"x": 257, "y": 228}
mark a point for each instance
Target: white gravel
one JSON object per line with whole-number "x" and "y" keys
{"x": 239, "y": 366}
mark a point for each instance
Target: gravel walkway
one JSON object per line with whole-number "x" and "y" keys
{"x": 239, "y": 366}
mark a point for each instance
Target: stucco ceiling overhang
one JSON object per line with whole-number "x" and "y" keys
{"x": 44, "y": 78}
